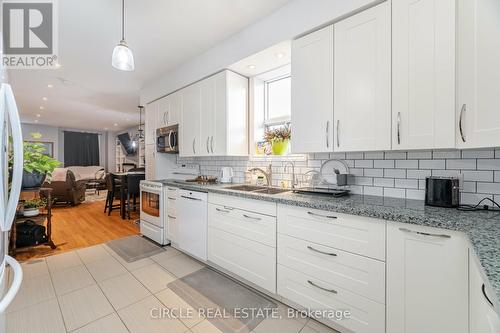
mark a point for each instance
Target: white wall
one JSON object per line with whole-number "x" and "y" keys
{"x": 295, "y": 18}
{"x": 49, "y": 134}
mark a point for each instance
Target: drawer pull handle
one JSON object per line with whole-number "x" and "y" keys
{"x": 221, "y": 210}
{"x": 190, "y": 198}
{"x": 252, "y": 218}
{"x": 170, "y": 198}
{"x": 425, "y": 233}
{"x": 316, "y": 250}
{"x": 171, "y": 189}
{"x": 228, "y": 208}
{"x": 325, "y": 216}
{"x": 171, "y": 217}
{"x": 333, "y": 291}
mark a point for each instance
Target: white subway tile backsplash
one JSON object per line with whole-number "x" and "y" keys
{"x": 407, "y": 164}
{"x": 463, "y": 164}
{"x": 391, "y": 173}
{"x": 473, "y": 198}
{"x": 432, "y": 164}
{"x": 395, "y": 173}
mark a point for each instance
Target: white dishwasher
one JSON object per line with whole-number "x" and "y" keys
{"x": 192, "y": 210}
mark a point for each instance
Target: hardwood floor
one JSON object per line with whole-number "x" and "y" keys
{"x": 82, "y": 226}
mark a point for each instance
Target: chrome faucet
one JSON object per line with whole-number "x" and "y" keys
{"x": 268, "y": 174}
{"x": 294, "y": 178}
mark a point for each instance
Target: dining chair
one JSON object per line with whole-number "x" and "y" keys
{"x": 113, "y": 193}
{"x": 133, "y": 191}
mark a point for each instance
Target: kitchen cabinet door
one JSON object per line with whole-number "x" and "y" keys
{"x": 163, "y": 112}
{"x": 423, "y": 74}
{"x": 427, "y": 280}
{"x": 150, "y": 157}
{"x": 150, "y": 122}
{"x": 174, "y": 114}
{"x": 207, "y": 115}
{"x": 362, "y": 75}
{"x": 190, "y": 144}
{"x": 312, "y": 92}
{"x": 478, "y": 68}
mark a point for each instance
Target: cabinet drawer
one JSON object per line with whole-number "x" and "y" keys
{"x": 251, "y": 205}
{"x": 253, "y": 226}
{"x": 361, "y": 275}
{"x": 366, "y": 316}
{"x": 252, "y": 261}
{"x": 356, "y": 234}
{"x": 172, "y": 197}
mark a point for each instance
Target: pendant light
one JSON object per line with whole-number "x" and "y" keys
{"x": 123, "y": 59}
{"x": 140, "y": 131}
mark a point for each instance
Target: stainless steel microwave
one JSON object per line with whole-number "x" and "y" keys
{"x": 167, "y": 139}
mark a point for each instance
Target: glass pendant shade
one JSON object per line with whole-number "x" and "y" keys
{"x": 123, "y": 59}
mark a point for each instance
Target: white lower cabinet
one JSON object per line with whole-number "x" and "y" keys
{"x": 427, "y": 280}
{"x": 172, "y": 225}
{"x": 243, "y": 243}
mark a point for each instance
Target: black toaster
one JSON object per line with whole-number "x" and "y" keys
{"x": 442, "y": 191}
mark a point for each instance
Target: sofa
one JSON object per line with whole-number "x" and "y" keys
{"x": 88, "y": 173}
{"x": 65, "y": 187}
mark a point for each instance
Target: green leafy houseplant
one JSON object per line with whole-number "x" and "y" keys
{"x": 37, "y": 165}
{"x": 278, "y": 138}
{"x": 34, "y": 203}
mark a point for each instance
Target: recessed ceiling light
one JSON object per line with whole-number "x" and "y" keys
{"x": 44, "y": 98}
{"x": 251, "y": 66}
{"x": 41, "y": 107}
{"x": 105, "y": 128}
{"x": 36, "y": 120}
{"x": 38, "y": 115}
{"x": 280, "y": 55}
{"x": 50, "y": 86}
{"x": 115, "y": 124}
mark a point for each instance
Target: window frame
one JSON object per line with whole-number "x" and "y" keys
{"x": 278, "y": 120}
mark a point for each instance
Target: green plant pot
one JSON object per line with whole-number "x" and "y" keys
{"x": 280, "y": 147}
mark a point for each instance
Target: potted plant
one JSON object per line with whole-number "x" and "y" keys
{"x": 37, "y": 165}
{"x": 32, "y": 207}
{"x": 279, "y": 139}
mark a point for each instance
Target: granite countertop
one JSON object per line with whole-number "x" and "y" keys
{"x": 482, "y": 227}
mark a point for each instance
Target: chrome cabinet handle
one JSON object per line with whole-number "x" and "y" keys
{"x": 171, "y": 217}
{"x": 483, "y": 289}
{"x": 170, "y": 198}
{"x": 252, "y": 218}
{"x": 424, "y": 233}
{"x": 194, "y": 141}
{"x": 212, "y": 144}
{"x": 319, "y": 251}
{"x": 325, "y": 216}
{"x": 333, "y": 291}
{"x": 338, "y": 125}
{"x": 208, "y": 150}
{"x": 399, "y": 126}
{"x": 328, "y": 134}
{"x": 171, "y": 189}
{"x": 221, "y": 210}
{"x": 190, "y": 198}
{"x": 228, "y": 208}
{"x": 462, "y": 111}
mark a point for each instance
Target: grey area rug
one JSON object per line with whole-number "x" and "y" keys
{"x": 133, "y": 248}
{"x": 207, "y": 290}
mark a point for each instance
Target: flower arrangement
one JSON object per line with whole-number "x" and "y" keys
{"x": 278, "y": 138}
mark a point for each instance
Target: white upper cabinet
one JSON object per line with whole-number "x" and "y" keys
{"x": 214, "y": 116}
{"x": 427, "y": 280}
{"x": 362, "y": 75}
{"x": 189, "y": 143}
{"x": 423, "y": 74}
{"x": 163, "y": 112}
{"x": 312, "y": 92}
{"x": 150, "y": 122}
{"x": 175, "y": 109}
{"x": 478, "y": 68}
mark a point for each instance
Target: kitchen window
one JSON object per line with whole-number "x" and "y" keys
{"x": 277, "y": 101}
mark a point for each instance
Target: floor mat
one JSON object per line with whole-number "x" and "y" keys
{"x": 133, "y": 248}
{"x": 228, "y": 305}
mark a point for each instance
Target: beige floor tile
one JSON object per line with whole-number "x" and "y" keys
{"x": 33, "y": 291}
{"x": 129, "y": 265}
{"x": 123, "y": 290}
{"x": 172, "y": 301}
{"x": 314, "y": 326}
{"x": 205, "y": 327}
{"x": 109, "y": 324}
{"x": 64, "y": 260}
{"x": 105, "y": 268}
{"x": 167, "y": 254}
{"x": 34, "y": 268}
{"x": 71, "y": 279}
{"x": 93, "y": 253}
{"x": 181, "y": 265}
{"x": 138, "y": 318}
{"x": 84, "y": 306}
{"x": 153, "y": 277}
{"x": 284, "y": 325}
{"x": 44, "y": 317}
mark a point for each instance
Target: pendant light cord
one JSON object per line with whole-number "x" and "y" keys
{"x": 123, "y": 19}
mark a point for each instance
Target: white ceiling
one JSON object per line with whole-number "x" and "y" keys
{"x": 269, "y": 59}
{"x": 87, "y": 92}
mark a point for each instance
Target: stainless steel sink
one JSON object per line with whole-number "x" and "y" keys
{"x": 256, "y": 189}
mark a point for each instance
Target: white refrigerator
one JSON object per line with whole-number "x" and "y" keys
{"x": 11, "y": 143}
